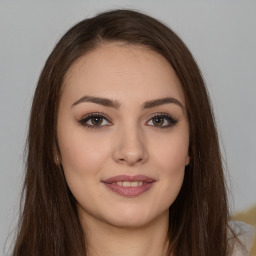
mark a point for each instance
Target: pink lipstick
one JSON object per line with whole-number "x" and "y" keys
{"x": 129, "y": 186}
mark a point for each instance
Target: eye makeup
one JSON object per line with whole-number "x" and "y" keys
{"x": 161, "y": 120}
{"x": 95, "y": 120}
{"x": 99, "y": 120}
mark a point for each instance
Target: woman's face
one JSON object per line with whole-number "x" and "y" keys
{"x": 123, "y": 135}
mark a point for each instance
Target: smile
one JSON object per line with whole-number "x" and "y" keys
{"x": 129, "y": 186}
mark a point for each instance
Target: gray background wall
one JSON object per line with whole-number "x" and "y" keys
{"x": 220, "y": 34}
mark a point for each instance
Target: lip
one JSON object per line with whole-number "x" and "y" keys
{"x": 111, "y": 183}
{"x": 117, "y": 178}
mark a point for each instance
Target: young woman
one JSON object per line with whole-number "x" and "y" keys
{"x": 122, "y": 153}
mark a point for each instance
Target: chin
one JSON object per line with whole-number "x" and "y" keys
{"x": 133, "y": 219}
{"x": 129, "y": 223}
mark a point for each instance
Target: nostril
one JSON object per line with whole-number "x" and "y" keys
{"x": 130, "y": 150}
{"x": 130, "y": 161}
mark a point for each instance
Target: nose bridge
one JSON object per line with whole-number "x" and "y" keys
{"x": 131, "y": 146}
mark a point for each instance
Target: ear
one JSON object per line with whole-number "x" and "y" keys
{"x": 56, "y": 155}
{"x": 187, "y": 161}
{"x": 56, "y": 160}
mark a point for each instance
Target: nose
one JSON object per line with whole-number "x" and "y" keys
{"x": 130, "y": 147}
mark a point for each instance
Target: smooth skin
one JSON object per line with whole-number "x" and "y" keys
{"x": 112, "y": 120}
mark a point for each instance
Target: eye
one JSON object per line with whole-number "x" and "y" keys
{"x": 162, "y": 121}
{"x": 95, "y": 120}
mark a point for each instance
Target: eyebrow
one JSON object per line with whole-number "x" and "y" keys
{"x": 162, "y": 101}
{"x": 116, "y": 104}
{"x": 101, "y": 101}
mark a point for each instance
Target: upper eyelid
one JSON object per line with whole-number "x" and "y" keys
{"x": 91, "y": 115}
{"x": 161, "y": 115}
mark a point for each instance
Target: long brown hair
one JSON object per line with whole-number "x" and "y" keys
{"x": 49, "y": 223}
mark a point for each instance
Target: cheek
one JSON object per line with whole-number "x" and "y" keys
{"x": 170, "y": 158}
{"x": 172, "y": 176}
{"x": 81, "y": 155}
{"x": 173, "y": 168}
{"x": 171, "y": 153}
{"x": 83, "y": 158}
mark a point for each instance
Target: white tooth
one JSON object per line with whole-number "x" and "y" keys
{"x": 126, "y": 184}
{"x": 120, "y": 183}
{"x": 140, "y": 183}
{"x": 134, "y": 184}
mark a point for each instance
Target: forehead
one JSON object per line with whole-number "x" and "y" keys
{"x": 122, "y": 71}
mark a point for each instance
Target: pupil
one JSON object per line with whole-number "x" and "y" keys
{"x": 158, "y": 121}
{"x": 97, "y": 120}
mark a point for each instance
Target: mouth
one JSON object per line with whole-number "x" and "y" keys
{"x": 129, "y": 186}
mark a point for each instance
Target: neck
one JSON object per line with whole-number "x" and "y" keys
{"x": 105, "y": 239}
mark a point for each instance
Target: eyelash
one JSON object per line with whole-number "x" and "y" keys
{"x": 88, "y": 117}
{"x": 171, "y": 121}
